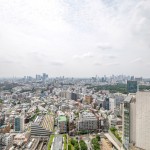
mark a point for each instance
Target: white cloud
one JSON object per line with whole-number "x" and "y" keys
{"x": 35, "y": 33}
{"x": 83, "y": 56}
{"x": 136, "y": 60}
{"x": 104, "y": 46}
{"x": 57, "y": 63}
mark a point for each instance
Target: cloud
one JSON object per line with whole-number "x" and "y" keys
{"x": 104, "y": 46}
{"x": 109, "y": 56}
{"x": 57, "y": 63}
{"x": 39, "y": 33}
{"x": 106, "y": 64}
{"x": 113, "y": 64}
{"x": 148, "y": 64}
{"x": 136, "y": 60}
{"x": 83, "y": 56}
{"x": 98, "y": 64}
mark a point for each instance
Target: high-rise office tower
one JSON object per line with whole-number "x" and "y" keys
{"x": 136, "y": 121}
{"x": 132, "y": 86}
{"x": 19, "y": 124}
{"x": 129, "y": 111}
{"x": 143, "y": 120}
{"x": 45, "y": 76}
{"x": 106, "y": 103}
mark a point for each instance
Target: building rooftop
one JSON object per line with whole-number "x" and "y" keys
{"x": 128, "y": 99}
{"x": 62, "y": 118}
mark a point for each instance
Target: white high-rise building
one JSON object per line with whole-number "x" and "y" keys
{"x": 112, "y": 104}
{"x": 136, "y": 121}
{"x": 129, "y": 111}
{"x": 143, "y": 120}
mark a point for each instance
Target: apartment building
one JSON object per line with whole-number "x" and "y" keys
{"x": 88, "y": 121}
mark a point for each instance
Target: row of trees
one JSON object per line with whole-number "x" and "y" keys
{"x": 76, "y": 145}
{"x": 115, "y": 132}
{"x": 121, "y": 88}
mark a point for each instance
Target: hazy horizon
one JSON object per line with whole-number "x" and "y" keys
{"x": 74, "y": 38}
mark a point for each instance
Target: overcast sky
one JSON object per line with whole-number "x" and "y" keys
{"x": 79, "y": 38}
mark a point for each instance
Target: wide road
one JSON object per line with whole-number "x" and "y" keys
{"x": 57, "y": 145}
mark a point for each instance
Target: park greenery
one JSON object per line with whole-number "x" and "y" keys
{"x": 75, "y": 144}
{"x": 95, "y": 143}
{"x": 65, "y": 141}
{"x": 83, "y": 145}
{"x": 115, "y": 133}
{"x": 50, "y": 142}
{"x": 70, "y": 146}
{"x": 121, "y": 88}
{"x": 98, "y": 137}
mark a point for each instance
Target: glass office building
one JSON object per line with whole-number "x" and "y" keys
{"x": 132, "y": 86}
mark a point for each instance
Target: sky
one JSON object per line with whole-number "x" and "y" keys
{"x": 74, "y": 38}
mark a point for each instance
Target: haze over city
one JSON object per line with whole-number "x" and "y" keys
{"x": 80, "y": 38}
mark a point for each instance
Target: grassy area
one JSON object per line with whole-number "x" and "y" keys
{"x": 115, "y": 133}
{"x": 50, "y": 142}
{"x": 65, "y": 141}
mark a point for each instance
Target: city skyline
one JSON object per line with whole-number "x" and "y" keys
{"x": 74, "y": 38}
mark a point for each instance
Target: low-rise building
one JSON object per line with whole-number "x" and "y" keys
{"x": 21, "y": 138}
{"x": 88, "y": 122}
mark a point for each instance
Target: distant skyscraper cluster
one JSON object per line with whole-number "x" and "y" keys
{"x": 42, "y": 77}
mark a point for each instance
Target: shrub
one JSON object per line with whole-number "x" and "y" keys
{"x": 76, "y": 146}
{"x": 95, "y": 144}
{"x": 98, "y": 137}
{"x": 83, "y": 145}
{"x": 73, "y": 141}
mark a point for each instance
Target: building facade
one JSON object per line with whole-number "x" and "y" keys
{"x": 143, "y": 120}
{"x": 132, "y": 86}
{"x": 62, "y": 124}
{"x": 88, "y": 122}
{"x": 129, "y": 122}
{"x": 19, "y": 124}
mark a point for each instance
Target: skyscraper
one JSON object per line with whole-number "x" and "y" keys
{"x": 132, "y": 86}
{"x": 106, "y": 103}
{"x": 143, "y": 120}
{"x": 136, "y": 121}
{"x": 129, "y": 121}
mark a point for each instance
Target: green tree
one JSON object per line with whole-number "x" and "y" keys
{"x": 95, "y": 144}
{"x": 98, "y": 137}
{"x": 83, "y": 145}
{"x": 73, "y": 141}
{"x": 76, "y": 146}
